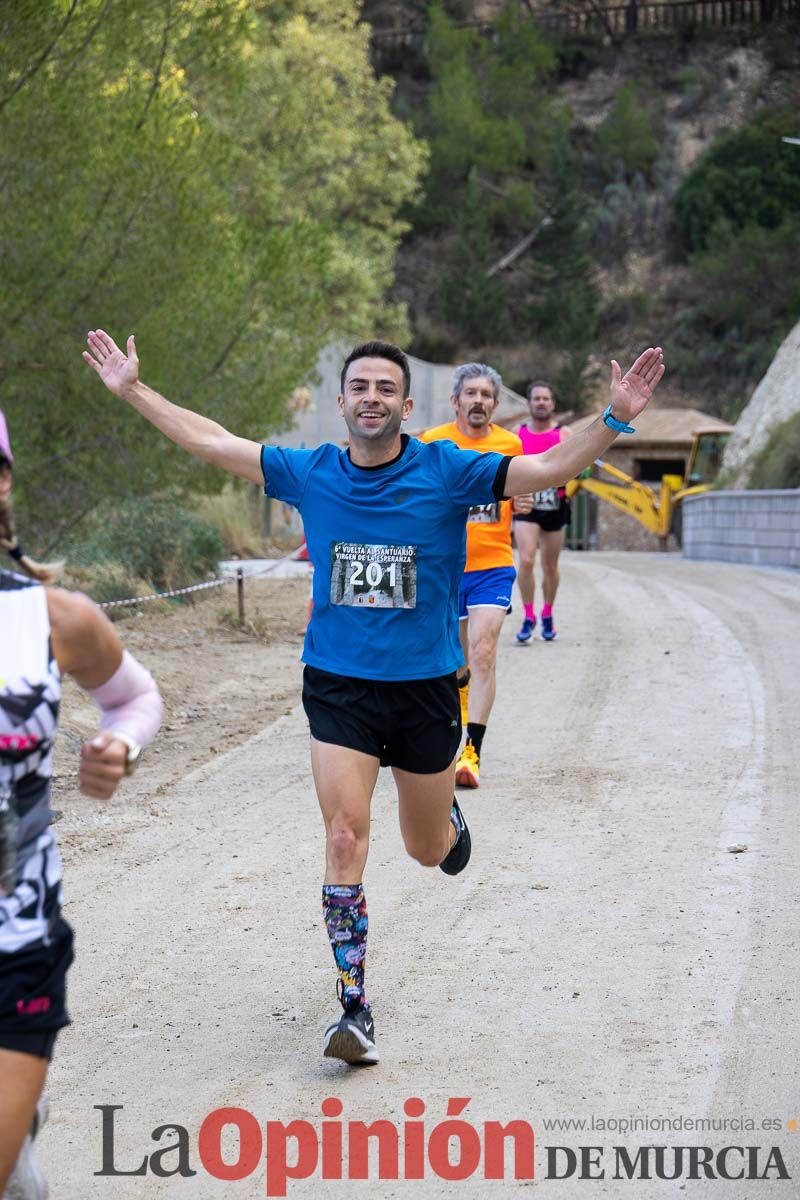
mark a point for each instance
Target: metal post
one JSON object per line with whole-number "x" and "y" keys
{"x": 240, "y": 593}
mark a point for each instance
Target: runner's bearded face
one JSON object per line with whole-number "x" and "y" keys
{"x": 372, "y": 405}
{"x": 541, "y": 404}
{"x": 475, "y": 404}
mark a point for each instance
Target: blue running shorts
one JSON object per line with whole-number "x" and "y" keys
{"x": 485, "y": 589}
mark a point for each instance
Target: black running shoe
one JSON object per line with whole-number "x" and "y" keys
{"x": 352, "y": 1038}
{"x": 461, "y": 848}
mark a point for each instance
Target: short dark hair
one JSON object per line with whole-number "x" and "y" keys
{"x": 380, "y": 350}
{"x": 539, "y": 383}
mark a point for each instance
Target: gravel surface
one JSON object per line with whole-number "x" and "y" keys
{"x": 623, "y": 945}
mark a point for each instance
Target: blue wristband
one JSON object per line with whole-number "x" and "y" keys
{"x": 613, "y": 423}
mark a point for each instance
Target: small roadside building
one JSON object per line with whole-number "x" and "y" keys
{"x": 660, "y": 446}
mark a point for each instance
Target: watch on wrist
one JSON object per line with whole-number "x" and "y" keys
{"x": 613, "y": 423}
{"x": 134, "y": 752}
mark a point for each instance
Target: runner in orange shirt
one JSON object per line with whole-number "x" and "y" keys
{"x": 485, "y": 591}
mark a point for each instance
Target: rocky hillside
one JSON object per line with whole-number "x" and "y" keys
{"x": 694, "y": 89}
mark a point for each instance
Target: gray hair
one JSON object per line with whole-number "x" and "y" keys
{"x": 476, "y": 371}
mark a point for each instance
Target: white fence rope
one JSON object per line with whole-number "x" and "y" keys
{"x": 195, "y": 587}
{"x": 199, "y": 587}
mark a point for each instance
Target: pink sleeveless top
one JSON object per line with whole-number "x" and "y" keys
{"x": 537, "y": 443}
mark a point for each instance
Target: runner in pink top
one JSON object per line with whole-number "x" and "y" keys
{"x": 543, "y": 527}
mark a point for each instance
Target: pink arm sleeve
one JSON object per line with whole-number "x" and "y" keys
{"x": 130, "y": 702}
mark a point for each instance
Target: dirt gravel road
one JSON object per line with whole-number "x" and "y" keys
{"x": 607, "y": 955}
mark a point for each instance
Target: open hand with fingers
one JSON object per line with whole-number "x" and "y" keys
{"x": 630, "y": 393}
{"x": 118, "y": 371}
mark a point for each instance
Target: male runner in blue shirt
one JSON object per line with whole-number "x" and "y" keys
{"x": 385, "y": 523}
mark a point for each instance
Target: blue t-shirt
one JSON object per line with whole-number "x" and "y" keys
{"x": 388, "y": 545}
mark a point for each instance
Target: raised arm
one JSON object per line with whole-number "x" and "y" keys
{"x": 200, "y": 436}
{"x": 629, "y": 396}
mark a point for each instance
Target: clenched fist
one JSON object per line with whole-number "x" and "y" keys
{"x": 102, "y": 766}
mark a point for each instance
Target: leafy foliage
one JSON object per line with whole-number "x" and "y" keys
{"x": 778, "y": 464}
{"x": 565, "y": 305}
{"x": 170, "y": 546}
{"x": 626, "y": 136}
{"x": 226, "y": 183}
{"x": 475, "y": 303}
{"x": 739, "y": 208}
{"x": 487, "y": 107}
{"x": 749, "y": 177}
{"x": 502, "y": 168}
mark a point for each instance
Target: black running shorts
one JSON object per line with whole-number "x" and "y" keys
{"x": 550, "y": 520}
{"x": 412, "y": 724}
{"x": 33, "y": 993}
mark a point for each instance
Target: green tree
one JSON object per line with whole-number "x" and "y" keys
{"x": 488, "y": 109}
{"x": 748, "y": 177}
{"x": 743, "y": 303}
{"x": 471, "y": 301}
{"x": 564, "y": 310}
{"x": 187, "y": 184}
{"x": 626, "y": 135}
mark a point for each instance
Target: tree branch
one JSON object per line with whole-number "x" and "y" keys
{"x": 87, "y": 40}
{"x": 91, "y": 230}
{"x": 519, "y": 249}
{"x": 157, "y": 72}
{"x": 41, "y": 60}
{"x": 223, "y": 355}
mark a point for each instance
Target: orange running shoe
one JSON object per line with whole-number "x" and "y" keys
{"x": 468, "y": 767}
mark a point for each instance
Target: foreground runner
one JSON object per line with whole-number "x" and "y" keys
{"x": 385, "y": 523}
{"x": 485, "y": 591}
{"x": 43, "y": 633}
{"x": 543, "y": 528}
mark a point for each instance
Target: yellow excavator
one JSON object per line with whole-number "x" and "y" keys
{"x": 659, "y": 511}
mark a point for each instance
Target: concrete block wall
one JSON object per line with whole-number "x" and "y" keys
{"x": 761, "y": 528}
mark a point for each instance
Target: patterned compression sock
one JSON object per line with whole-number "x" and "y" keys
{"x": 547, "y": 610}
{"x": 345, "y": 910}
{"x": 475, "y": 734}
{"x": 530, "y": 612}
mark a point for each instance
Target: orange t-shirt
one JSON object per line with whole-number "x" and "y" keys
{"x": 488, "y": 525}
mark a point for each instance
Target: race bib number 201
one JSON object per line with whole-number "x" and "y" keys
{"x": 368, "y": 576}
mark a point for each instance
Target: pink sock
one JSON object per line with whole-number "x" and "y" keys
{"x": 547, "y": 610}
{"x": 530, "y": 612}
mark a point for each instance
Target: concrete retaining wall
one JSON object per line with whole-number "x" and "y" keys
{"x": 762, "y": 528}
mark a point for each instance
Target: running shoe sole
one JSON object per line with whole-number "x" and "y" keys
{"x": 466, "y": 778}
{"x": 344, "y": 1041}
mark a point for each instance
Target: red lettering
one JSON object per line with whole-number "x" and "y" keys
{"x": 209, "y": 1143}
{"x": 414, "y": 1139}
{"x": 494, "y": 1149}
{"x": 388, "y": 1149}
{"x": 278, "y": 1169}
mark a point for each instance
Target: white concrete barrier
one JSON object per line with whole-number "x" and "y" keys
{"x": 759, "y": 527}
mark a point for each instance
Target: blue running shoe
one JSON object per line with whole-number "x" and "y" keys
{"x": 549, "y": 634}
{"x": 526, "y": 633}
